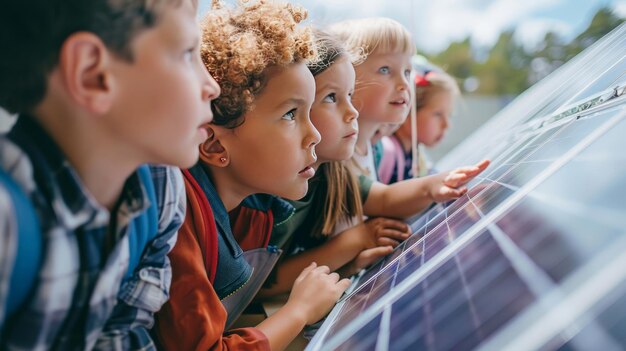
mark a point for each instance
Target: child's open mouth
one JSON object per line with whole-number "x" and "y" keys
{"x": 399, "y": 102}
{"x": 307, "y": 172}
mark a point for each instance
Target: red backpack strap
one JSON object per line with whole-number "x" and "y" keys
{"x": 252, "y": 228}
{"x": 207, "y": 239}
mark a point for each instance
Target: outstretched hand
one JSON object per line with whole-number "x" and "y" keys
{"x": 449, "y": 186}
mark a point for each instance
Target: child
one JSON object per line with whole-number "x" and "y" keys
{"x": 310, "y": 228}
{"x": 382, "y": 96}
{"x": 334, "y": 195}
{"x": 435, "y": 93}
{"x": 98, "y": 86}
{"x": 261, "y": 141}
{"x": 381, "y": 93}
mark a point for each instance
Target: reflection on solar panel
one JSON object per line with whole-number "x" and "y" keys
{"x": 533, "y": 256}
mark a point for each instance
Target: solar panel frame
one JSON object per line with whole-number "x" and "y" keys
{"x": 608, "y": 124}
{"x": 548, "y": 129}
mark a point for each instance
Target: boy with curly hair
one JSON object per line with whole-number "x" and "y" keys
{"x": 101, "y": 87}
{"x": 261, "y": 142}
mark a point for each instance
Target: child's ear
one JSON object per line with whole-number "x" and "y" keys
{"x": 84, "y": 63}
{"x": 212, "y": 151}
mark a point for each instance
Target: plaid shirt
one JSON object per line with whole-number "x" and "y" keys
{"x": 78, "y": 301}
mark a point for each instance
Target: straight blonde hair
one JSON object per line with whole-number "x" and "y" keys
{"x": 343, "y": 197}
{"x": 365, "y": 36}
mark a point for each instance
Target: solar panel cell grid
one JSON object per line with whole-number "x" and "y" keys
{"x": 532, "y": 256}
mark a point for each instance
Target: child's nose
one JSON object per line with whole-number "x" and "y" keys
{"x": 351, "y": 114}
{"x": 210, "y": 89}
{"x": 313, "y": 136}
{"x": 445, "y": 123}
{"x": 403, "y": 83}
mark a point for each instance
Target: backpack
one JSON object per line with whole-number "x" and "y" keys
{"x": 142, "y": 230}
{"x": 391, "y": 156}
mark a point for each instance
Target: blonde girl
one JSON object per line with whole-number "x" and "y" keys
{"x": 435, "y": 94}
{"x": 381, "y": 92}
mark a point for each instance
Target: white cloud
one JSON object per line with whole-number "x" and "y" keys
{"x": 329, "y": 11}
{"x": 531, "y": 32}
{"x": 620, "y": 9}
{"x": 454, "y": 20}
{"x": 436, "y": 23}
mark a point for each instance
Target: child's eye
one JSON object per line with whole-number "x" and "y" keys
{"x": 332, "y": 97}
{"x": 407, "y": 73}
{"x": 290, "y": 116}
{"x": 384, "y": 70}
{"x": 350, "y": 96}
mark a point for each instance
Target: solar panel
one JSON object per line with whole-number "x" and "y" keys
{"x": 532, "y": 256}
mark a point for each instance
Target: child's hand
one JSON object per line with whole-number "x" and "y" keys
{"x": 315, "y": 292}
{"x": 365, "y": 258}
{"x": 449, "y": 186}
{"x": 386, "y": 232}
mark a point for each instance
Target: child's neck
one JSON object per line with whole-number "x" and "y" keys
{"x": 405, "y": 139}
{"x": 102, "y": 164}
{"x": 366, "y": 133}
{"x": 230, "y": 192}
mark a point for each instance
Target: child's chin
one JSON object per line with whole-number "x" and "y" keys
{"x": 297, "y": 193}
{"x": 188, "y": 161}
{"x": 432, "y": 143}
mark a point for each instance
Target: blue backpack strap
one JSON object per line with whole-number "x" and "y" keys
{"x": 29, "y": 246}
{"x": 144, "y": 227}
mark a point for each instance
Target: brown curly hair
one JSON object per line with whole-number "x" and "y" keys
{"x": 239, "y": 45}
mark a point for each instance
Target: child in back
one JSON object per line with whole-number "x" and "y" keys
{"x": 336, "y": 196}
{"x": 261, "y": 142}
{"x": 98, "y": 86}
{"x": 381, "y": 96}
{"x": 381, "y": 93}
{"x": 435, "y": 93}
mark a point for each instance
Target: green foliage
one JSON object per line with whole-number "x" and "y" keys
{"x": 602, "y": 23}
{"x": 508, "y": 69}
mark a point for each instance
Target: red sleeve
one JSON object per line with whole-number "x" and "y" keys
{"x": 194, "y": 318}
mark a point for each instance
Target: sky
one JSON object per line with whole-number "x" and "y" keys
{"x": 436, "y": 23}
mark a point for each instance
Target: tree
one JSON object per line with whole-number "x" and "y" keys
{"x": 505, "y": 71}
{"x": 548, "y": 56}
{"x": 508, "y": 68}
{"x": 601, "y": 24}
{"x": 457, "y": 59}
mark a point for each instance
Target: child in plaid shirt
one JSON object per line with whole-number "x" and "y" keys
{"x": 99, "y": 86}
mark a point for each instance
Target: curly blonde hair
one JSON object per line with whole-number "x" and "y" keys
{"x": 239, "y": 45}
